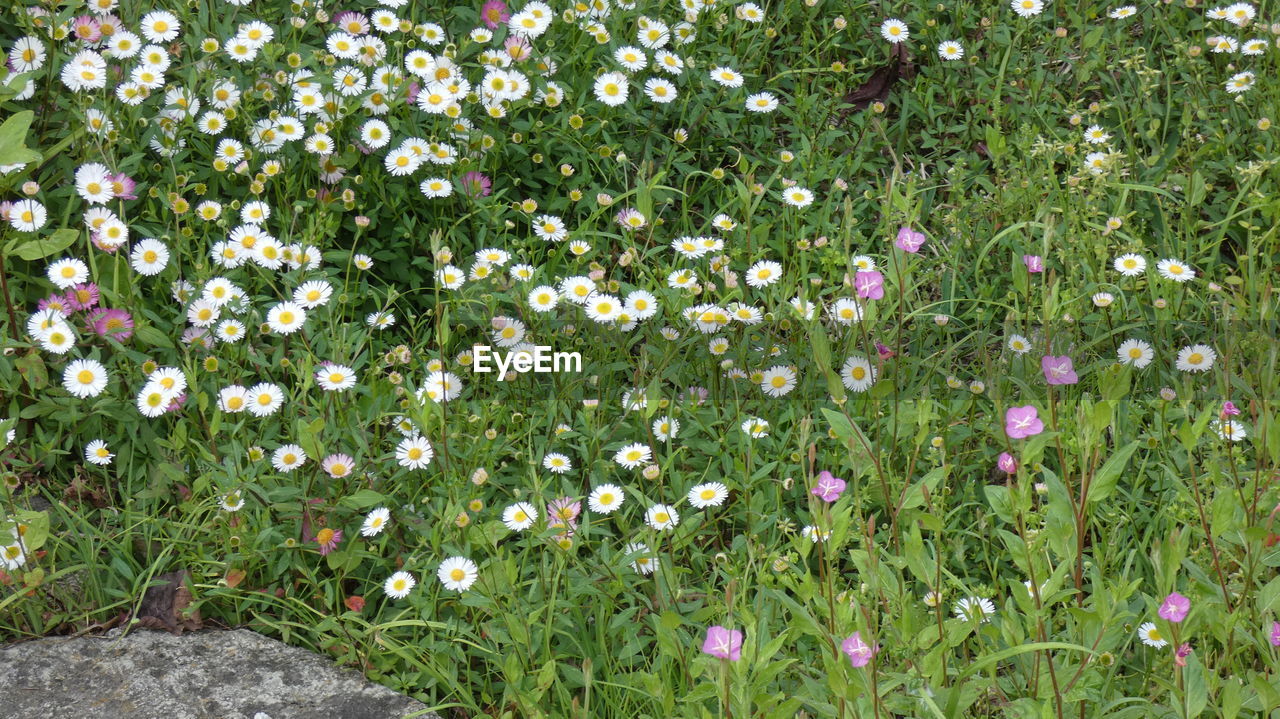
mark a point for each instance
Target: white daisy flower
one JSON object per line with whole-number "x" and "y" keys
{"x": 606, "y": 498}
{"x": 662, "y": 517}
{"x": 375, "y": 521}
{"x": 85, "y": 378}
{"x": 458, "y": 573}
{"x": 711, "y": 494}
{"x": 399, "y": 585}
{"x": 519, "y": 516}
{"x": 1196, "y": 358}
{"x": 975, "y": 608}
{"x": 633, "y": 455}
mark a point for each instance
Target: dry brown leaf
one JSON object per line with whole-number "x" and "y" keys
{"x": 165, "y": 605}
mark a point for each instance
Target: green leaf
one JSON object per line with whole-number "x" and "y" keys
{"x": 1104, "y": 482}
{"x": 981, "y": 663}
{"x": 822, "y": 356}
{"x": 1197, "y": 686}
{"x": 152, "y": 336}
{"x": 32, "y": 369}
{"x": 13, "y": 140}
{"x": 914, "y": 496}
{"x": 995, "y": 141}
{"x": 839, "y": 424}
{"x": 1102, "y": 415}
{"x": 308, "y": 437}
{"x": 1268, "y": 597}
{"x": 363, "y": 499}
{"x": 1231, "y": 698}
{"x": 34, "y": 527}
{"x": 1222, "y": 512}
{"x": 998, "y": 498}
{"x": 12, "y": 83}
{"x": 1093, "y": 36}
{"x": 43, "y": 247}
{"x": 1195, "y": 190}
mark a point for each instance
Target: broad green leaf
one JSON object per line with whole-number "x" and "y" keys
{"x": 13, "y": 134}
{"x": 1104, "y": 482}
{"x": 152, "y": 336}
{"x": 363, "y": 499}
{"x": 998, "y": 498}
{"x": 43, "y": 247}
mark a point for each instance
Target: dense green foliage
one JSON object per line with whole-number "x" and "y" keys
{"x": 948, "y": 383}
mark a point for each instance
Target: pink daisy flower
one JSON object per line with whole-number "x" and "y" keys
{"x": 494, "y": 13}
{"x": 337, "y": 465}
{"x": 112, "y": 323}
{"x": 328, "y": 540}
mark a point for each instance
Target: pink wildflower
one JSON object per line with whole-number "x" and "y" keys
{"x": 494, "y": 13}
{"x": 475, "y": 184}
{"x": 829, "y": 487}
{"x": 1180, "y": 656}
{"x": 723, "y": 643}
{"x": 1175, "y": 608}
{"x": 337, "y": 465}
{"x": 1022, "y": 422}
{"x": 909, "y": 240}
{"x": 328, "y": 539}
{"x": 123, "y": 186}
{"x": 858, "y": 651}
{"x": 1058, "y": 370}
{"x": 563, "y": 513}
{"x": 83, "y": 296}
{"x": 1007, "y": 463}
{"x": 869, "y": 284}
{"x": 117, "y": 324}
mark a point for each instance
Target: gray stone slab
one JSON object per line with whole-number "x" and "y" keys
{"x": 211, "y": 674}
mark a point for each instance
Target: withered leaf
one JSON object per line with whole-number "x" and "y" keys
{"x": 234, "y": 577}
{"x": 165, "y": 605}
{"x": 877, "y": 86}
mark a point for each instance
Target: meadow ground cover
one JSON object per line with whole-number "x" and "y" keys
{"x": 924, "y": 357}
